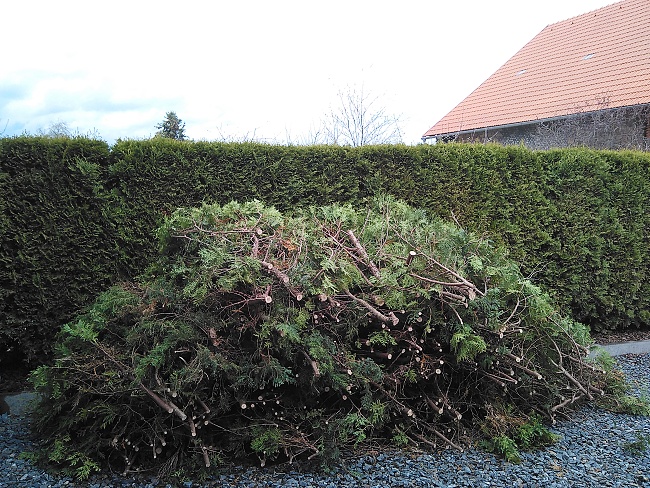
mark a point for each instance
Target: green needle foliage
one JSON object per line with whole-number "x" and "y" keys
{"x": 507, "y": 433}
{"x": 261, "y": 335}
{"x": 171, "y": 127}
{"x": 639, "y": 446}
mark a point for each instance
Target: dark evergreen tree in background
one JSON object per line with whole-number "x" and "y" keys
{"x": 171, "y": 127}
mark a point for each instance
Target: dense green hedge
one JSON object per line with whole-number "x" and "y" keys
{"x": 577, "y": 220}
{"x": 153, "y": 178}
{"x": 599, "y": 257}
{"x": 76, "y": 212}
{"x": 57, "y": 247}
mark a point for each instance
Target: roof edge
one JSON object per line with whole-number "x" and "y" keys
{"x": 526, "y": 122}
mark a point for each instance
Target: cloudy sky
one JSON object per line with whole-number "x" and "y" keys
{"x": 259, "y": 69}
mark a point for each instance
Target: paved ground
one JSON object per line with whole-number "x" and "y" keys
{"x": 16, "y": 404}
{"x": 636, "y": 347}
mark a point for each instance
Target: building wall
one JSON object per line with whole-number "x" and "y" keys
{"x": 510, "y": 136}
{"x": 620, "y": 128}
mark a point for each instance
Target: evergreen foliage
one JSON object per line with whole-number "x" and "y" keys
{"x": 57, "y": 245}
{"x": 577, "y": 220}
{"x": 601, "y": 224}
{"x": 150, "y": 179}
{"x": 171, "y": 127}
{"x": 273, "y": 336}
{"x": 74, "y": 214}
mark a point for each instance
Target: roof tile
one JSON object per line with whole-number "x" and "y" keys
{"x": 601, "y": 57}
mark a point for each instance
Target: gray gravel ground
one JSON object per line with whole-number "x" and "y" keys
{"x": 593, "y": 452}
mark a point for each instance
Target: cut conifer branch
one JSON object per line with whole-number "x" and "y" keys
{"x": 206, "y": 457}
{"x": 159, "y": 401}
{"x": 219, "y": 325}
{"x": 282, "y": 277}
{"x": 391, "y": 318}
{"x": 364, "y": 254}
{"x": 205, "y": 408}
{"x": 409, "y": 257}
{"x": 256, "y": 247}
{"x": 179, "y": 413}
{"x": 566, "y": 402}
{"x": 452, "y": 273}
{"x": 442, "y": 437}
{"x": 444, "y": 399}
{"x": 313, "y": 364}
{"x": 517, "y": 364}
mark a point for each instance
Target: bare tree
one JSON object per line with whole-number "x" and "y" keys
{"x": 57, "y": 129}
{"x": 62, "y": 129}
{"x": 249, "y": 136}
{"x": 314, "y": 136}
{"x": 358, "y": 120}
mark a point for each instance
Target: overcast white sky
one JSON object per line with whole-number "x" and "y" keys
{"x": 255, "y": 68}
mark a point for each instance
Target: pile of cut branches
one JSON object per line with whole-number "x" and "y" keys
{"x": 262, "y": 335}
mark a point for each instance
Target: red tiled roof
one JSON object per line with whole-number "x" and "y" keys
{"x": 554, "y": 75}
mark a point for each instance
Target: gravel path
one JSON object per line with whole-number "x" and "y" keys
{"x": 593, "y": 452}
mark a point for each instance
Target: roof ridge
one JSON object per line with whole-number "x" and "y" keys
{"x": 587, "y": 13}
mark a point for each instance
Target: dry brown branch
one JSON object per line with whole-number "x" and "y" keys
{"x": 437, "y": 282}
{"x": 570, "y": 377}
{"x": 512, "y": 314}
{"x": 445, "y": 402}
{"x": 284, "y": 279}
{"x": 517, "y": 364}
{"x": 442, "y": 437}
{"x": 452, "y": 296}
{"x": 314, "y": 364}
{"x": 206, "y": 458}
{"x": 503, "y": 377}
{"x": 362, "y": 251}
{"x": 494, "y": 379}
{"x": 563, "y": 370}
{"x": 410, "y": 257}
{"x": 413, "y": 344}
{"x": 214, "y": 338}
{"x": 159, "y": 401}
{"x": 425, "y": 440}
{"x": 203, "y": 406}
{"x": 353, "y": 258}
{"x": 391, "y": 318}
{"x": 435, "y": 406}
{"x": 566, "y": 402}
{"x": 256, "y": 247}
{"x": 179, "y": 413}
{"x": 380, "y": 355}
{"x": 449, "y": 271}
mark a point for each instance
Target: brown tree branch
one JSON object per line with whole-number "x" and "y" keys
{"x": 283, "y": 278}
{"x": 314, "y": 364}
{"x": 389, "y": 319}
{"x": 575, "y": 382}
{"x": 362, "y": 251}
